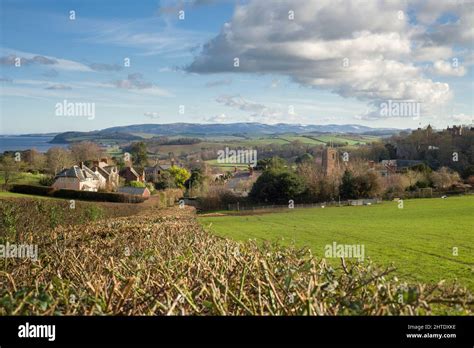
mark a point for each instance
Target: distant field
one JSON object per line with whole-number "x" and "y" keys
{"x": 304, "y": 140}
{"x": 6, "y": 194}
{"x": 219, "y": 142}
{"x": 419, "y": 239}
{"x": 261, "y": 141}
{"x": 22, "y": 178}
{"x": 343, "y": 139}
{"x": 229, "y": 166}
{"x": 143, "y": 135}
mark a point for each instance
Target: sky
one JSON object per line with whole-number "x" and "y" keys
{"x": 210, "y": 61}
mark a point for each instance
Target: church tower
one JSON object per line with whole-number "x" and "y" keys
{"x": 329, "y": 160}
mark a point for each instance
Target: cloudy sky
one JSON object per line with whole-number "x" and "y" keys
{"x": 299, "y": 61}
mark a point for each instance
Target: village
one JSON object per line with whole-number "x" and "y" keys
{"x": 246, "y": 176}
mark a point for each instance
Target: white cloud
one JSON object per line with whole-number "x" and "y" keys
{"x": 368, "y": 50}
{"x": 57, "y": 63}
{"x": 258, "y": 112}
{"x": 217, "y": 83}
{"x": 221, "y": 118}
{"x": 462, "y": 118}
{"x": 443, "y": 68}
{"x": 151, "y": 114}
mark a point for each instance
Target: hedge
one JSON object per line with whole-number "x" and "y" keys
{"x": 74, "y": 194}
{"x": 32, "y": 190}
{"x": 98, "y": 196}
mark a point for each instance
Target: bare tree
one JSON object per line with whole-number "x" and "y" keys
{"x": 58, "y": 158}
{"x": 85, "y": 151}
{"x": 444, "y": 178}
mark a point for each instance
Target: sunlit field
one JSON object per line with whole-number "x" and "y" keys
{"x": 428, "y": 240}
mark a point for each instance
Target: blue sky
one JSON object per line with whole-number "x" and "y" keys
{"x": 182, "y": 70}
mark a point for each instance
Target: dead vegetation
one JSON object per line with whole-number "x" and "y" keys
{"x": 162, "y": 262}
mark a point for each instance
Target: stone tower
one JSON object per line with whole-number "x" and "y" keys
{"x": 329, "y": 160}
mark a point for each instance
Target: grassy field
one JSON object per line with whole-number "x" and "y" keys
{"x": 227, "y": 166}
{"x": 23, "y": 178}
{"x": 304, "y": 140}
{"x": 419, "y": 239}
{"x": 94, "y": 261}
{"x": 7, "y": 194}
{"x": 343, "y": 139}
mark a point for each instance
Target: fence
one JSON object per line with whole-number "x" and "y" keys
{"x": 241, "y": 207}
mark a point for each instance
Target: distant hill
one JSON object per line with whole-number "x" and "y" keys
{"x": 246, "y": 128}
{"x": 129, "y": 133}
{"x": 68, "y": 137}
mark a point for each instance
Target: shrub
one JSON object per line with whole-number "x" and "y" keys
{"x": 444, "y": 178}
{"x": 45, "y": 214}
{"x": 136, "y": 184}
{"x": 46, "y": 180}
{"x": 32, "y": 190}
{"x": 93, "y": 213}
{"x": 55, "y": 216}
{"x": 217, "y": 198}
{"x": 277, "y": 186}
{"x": 8, "y": 221}
{"x": 163, "y": 181}
{"x": 98, "y": 196}
{"x": 151, "y": 187}
{"x": 180, "y": 176}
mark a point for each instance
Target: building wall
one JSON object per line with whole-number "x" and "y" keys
{"x": 329, "y": 160}
{"x": 129, "y": 176}
{"x": 67, "y": 184}
{"x": 114, "y": 179}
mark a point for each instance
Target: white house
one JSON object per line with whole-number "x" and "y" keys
{"x": 79, "y": 178}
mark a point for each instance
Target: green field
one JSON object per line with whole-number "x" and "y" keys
{"x": 304, "y": 140}
{"x": 419, "y": 239}
{"x": 7, "y": 194}
{"x": 228, "y": 166}
{"x": 343, "y": 139}
{"x": 23, "y": 178}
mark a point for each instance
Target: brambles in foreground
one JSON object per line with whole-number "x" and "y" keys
{"x": 165, "y": 263}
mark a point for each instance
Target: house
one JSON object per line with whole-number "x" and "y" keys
{"x": 130, "y": 174}
{"x": 397, "y": 166}
{"x": 136, "y": 191}
{"x": 79, "y": 177}
{"x": 109, "y": 172}
{"x": 241, "y": 182}
{"x": 455, "y": 130}
{"x": 152, "y": 173}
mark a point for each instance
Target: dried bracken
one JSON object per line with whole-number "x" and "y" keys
{"x": 162, "y": 262}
